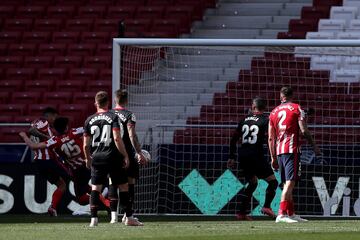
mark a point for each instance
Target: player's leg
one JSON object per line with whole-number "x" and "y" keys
{"x": 269, "y": 195}
{"x": 98, "y": 178}
{"x": 133, "y": 174}
{"x": 245, "y": 198}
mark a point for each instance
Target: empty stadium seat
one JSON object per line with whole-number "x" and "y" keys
{"x": 7, "y": 11}
{"x": 346, "y": 75}
{"x": 11, "y": 61}
{"x": 51, "y": 74}
{"x": 4, "y": 97}
{"x": 91, "y": 11}
{"x": 62, "y": 12}
{"x": 348, "y": 35}
{"x": 39, "y": 85}
{"x": 121, "y": 12}
{"x": 70, "y": 85}
{"x": 103, "y": 50}
{"x": 108, "y": 25}
{"x": 344, "y": 13}
{"x": 53, "y": 49}
{"x": 83, "y": 74}
{"x": 10, "y": 37}
{"x": 30, "y": 11}
{"x": 26, "y": 97}
{"x": 84, "y": 97}
{"x": 48, "y": 24}
{"x": 19, "y": 24}
{"x": 11, "y": 85}
{"x": 57, "y": 97}
{"x": 66, "y": 37}
{"x": 95, "y": 37}
{"x": 97, "y": 62}
{"x": 308, "y": 12}
{"x": 11, "y": 135}
{"x": 6, "y": 119}
{"x": 25, "y": 119}
{"x": 12, "y": 109}
{"x": 82, "y": 24}
{"x": 321, "y": 35}
{"x": 38, "y": 62}
{"x": 20, "y": 73}
{"x": 38, "y": 109}
{"x": 149, "y": 12}
{"x": 99, "y": 86}
{"x": 36, "y": 37}
{"x": 334, "y": 25}
{"x": 86, "y": 49}
{"x": 68, "y": 61}
{"x": 26, "y": 49}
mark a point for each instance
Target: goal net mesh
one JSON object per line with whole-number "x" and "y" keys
{"x": 188, "y": 101}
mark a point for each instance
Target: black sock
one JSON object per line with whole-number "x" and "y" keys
{"x": 113, "y": 197}
{"x": 270, "y": 193}
{"x": 125, "y": 203}
{"x": 94, "y": 203}
{"x": 131, "y": 195}
{"x": 245, "y": 197}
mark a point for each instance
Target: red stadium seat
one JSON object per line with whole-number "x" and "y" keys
{"x": 84, "y": 97}
{"x": 37, "y": 109}
{"x": 26, "y": 49}
{"x": 104, "y": 50}
{"x": 10, "y": 37}
{"x": 4, "y": 96}
{"x": 83, "y": 74}
{"x": 71, "y": 2}
{"x": 70, "y": 85}
{"x": 160, "y": 2}
{"x": 30, "y": 11}
{"x": 109, "y": 25}
{"x": 121, "y": 12}
{"x": 11, "y": 85}
{"x": 55, "y": 49}
{"x": 86, "y": 49}
{"x": 95, "y": 37}
{"x": 327, "y": 2}
{"x": 11, "y": 135}
{"x": 58, "y": 97}
{"x": 170, "y": 26}
{"x": 149, "y": 12}
{"x": 25, "y": 119}
{"x": 68, "y": 61}
{"x": 20, "y": 73}
{"x": 26, "y": 97}
{"x": 91, "y": 11}
{"x": 11, "y": 62}
{"x": 19, "y": 24}
{"x": 99, "y": 86}
{"x": 63, "y": 12}
{"x": 291, "y": 35}
{"x": 160, "y": 34}
{"x": 84, "y": 24}
{"x": 137, "y": 25}
{"x": 6, "y": 11}
{"x": 12, "y": 109}
{"x": 97, "y": 62}
{"x": 105, "y": 74}
{"x": 303, "y": 25}
{"x": 36, "y": 37}
{"x": 130, "y": 2}
{"x": 38, "y": 62}
{"x": 65, "y": 37}
{"x": 48, "y": 24}
{"x": 315, "y": 12}
{"x": 51, "y": 73}
{"x": 39, "y": 85}
{"x": 77, "y": 111}
{"x": 195, "y": 7}
{"x": 101, "y": 2}
{"x": 4, "y": 48}
{"x": 6, "y": 119}
{"x": 41, "y": 2}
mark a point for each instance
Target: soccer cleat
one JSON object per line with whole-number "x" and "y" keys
{"x": 52, "y": 211}
{"x": 268, "y": 211}
{"x": 131, "y": 221}
{"x": 243, "y": 217}
{"x": 298, "y": 218}
{"x": 124, "y": 218}
{"x": 285, "y": 219}
{"x": 94, "y": 222}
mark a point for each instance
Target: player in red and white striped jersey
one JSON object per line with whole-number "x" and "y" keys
{"x": 286, "y": 123}
{"x": 48, "y": 164}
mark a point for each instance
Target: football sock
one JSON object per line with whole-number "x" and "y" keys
{"x": 245, "y": 198}
{"x": 56, "y": 197}
{"x": 131, "y": 195}
{"x": 290, "y": 209}
{"x": 270, "y": 193}
{"x": 125, "y": 203}
{"x": 113, "y": 197}
{"x": 94, "y": 203}
{"x": 283, "y": 208}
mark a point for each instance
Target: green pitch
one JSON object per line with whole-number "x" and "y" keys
{"x": 43, "y": 227}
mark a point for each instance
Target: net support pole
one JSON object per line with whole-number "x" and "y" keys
{"x": 116, "y": 62}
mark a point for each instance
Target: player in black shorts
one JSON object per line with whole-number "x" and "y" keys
{"x": 251, "y": 157}
{"x": 131, "y": 142}
{"x": 106, "y": 155}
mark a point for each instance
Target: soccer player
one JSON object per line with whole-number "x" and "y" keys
{"x": 286, "y": 123}
{"x": 48, "y": 164}
{"x": 131, "y": 142}
{"x": 105, "y": 153}
{"x": 67, "y": 145}
{"x": 251, "y": 157}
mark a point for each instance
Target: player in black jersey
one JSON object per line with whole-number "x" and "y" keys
{"x": 105, "y": 153}
{"x": 131, "y": 142}
{"x": 251, "y": 157}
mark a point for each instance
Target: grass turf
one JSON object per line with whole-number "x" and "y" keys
{"x": 67, "y": 227}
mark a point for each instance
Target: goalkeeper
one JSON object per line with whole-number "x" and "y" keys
{"x": 252, "y": 161}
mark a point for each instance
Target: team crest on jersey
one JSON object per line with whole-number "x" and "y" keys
{"x": 133, "y": 118}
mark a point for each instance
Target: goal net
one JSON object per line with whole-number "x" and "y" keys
{"x": 189, "y": 97}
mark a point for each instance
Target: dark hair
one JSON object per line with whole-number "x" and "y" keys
{"x": 102, "y": 98}
{"x": 286, "y": 91}
{"x": 260, "y": 103}
{"x": 50, "y": 110}
{"x": 60, "y": 124}
{"x": 121, "y": 96}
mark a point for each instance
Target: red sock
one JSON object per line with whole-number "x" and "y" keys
{"x": 105, "y": 201}
{"x": 284, "y": 205}
{"x": 84, "y": 199}
{"x": 290, "y": 209}
{"x": 56, "y": 197}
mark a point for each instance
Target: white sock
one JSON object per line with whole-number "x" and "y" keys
{"x": 114, "y": 215}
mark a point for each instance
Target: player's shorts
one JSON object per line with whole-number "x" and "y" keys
{"x": 53, "y": 170}
{"x": 289, "y": 166}
{"x": 254, "y": 163}
{"x": 81, "y": 177}
{"x": 114, "y": 170}
{"x": 133, "y": 170}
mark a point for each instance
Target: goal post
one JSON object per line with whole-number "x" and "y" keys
{"x": 189, "y": 94}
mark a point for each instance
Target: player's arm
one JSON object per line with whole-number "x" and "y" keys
{"x": 233, "y": 143}
{"x": 307, "y": 135}
{"x": 30, "y": 143}
{"x": 135, "y": 142}
{"x": 120, "y": 145}
{"x": 86, "y": 149}
{"x": 36, "y": 133}
{"x": 272, "y": 146}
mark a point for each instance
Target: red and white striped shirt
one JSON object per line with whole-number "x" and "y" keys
{"x": 43, "y": 126}
{"x": 284, "y": 119}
